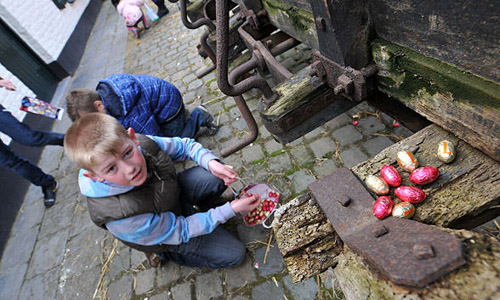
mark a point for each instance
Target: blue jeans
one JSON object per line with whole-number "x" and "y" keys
{"x": 218, "y": 249}
{"x": 181, "y": 127}
{"x": 25, "y": 135}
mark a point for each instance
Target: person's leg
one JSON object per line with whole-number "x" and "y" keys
{"x": 32, "y": 173}
{"x": 162, "y": 9}
{"x": 199, "y": 187}
{"x": 218, "y": 249}
{"x": 198, "y": 118}
{"x": 175, "y": 127}
{"x": 135, "y": 31}
{"x": 145, "y": 21}
{"x": 23, "y": 134}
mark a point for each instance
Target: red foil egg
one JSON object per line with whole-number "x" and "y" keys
{"x": 390, "y": 175}
{"x": 410, "y": 194}
{"x": 382, "y": 207}
{"x": 424, "y": 175}
{"x": 377, "y": 184}
{"x": 403, "y": 210}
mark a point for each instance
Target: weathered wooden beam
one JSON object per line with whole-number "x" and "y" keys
{"x": 304, "y": 103}
{"x": 478, "y": 279}
{"x": 467, "y": 191}
{"x": 459, "y": 101}
{"x": 466, "y": 194}
{"x": 305, "y": 238}
{"x": 462, "y": 33}
{"x": 294, "y": 18}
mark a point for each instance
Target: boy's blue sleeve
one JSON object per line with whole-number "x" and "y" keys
{"x": 184, "y": 148}
{"x": 166, "y": 228}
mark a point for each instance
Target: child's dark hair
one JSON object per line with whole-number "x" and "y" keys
{"x": 115, "y": 2}
{"x": 81, "y": 100}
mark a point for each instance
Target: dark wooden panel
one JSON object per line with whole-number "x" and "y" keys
{"x": 463, "y": 33}
{"x": 458, "y": 101}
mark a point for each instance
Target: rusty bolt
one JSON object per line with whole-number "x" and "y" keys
{"x": 423, "y": 251}
{"x": 344, "y": 200}
{"x": 317, "y": 69}
{"x": 380, "y": 231}
{"x": 321, "y": 23}
{"x": 269, "y": 44}
{"x": 338, "y": 89}
{"x": 344, "y": 85}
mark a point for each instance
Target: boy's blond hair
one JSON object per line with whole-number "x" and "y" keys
{"x": 92, "y": 137}
{"x": 81, "y": 100}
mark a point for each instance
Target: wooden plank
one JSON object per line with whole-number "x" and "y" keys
{"x": 462, "y": 33}
{"x": 305, "y": 238}
{"x": 466, "y": 191}
{"x": 458, "y": 101}
{"x": 293, "y": 18}
{"x": 466, "y": 194}
{"x": 478, "y": 279}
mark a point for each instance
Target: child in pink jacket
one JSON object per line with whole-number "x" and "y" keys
{"x": 131, "y": 12}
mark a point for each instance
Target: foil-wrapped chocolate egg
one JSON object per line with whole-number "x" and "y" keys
{"x": 424, "y": 175}
{"x": 377, "y": 184}
{"x": 446, "y": 151}
{"x": 407, "y": 161}
{"x": 382, "y": 207}
{"x": 403, "y": 210}
{"x": 390, "y": 175}
{"x": 410, "y": 194}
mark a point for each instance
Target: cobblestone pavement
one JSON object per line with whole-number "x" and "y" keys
{"x": 58, "y": 253}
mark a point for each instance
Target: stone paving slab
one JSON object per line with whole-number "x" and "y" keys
{"x": 59, "y": 253}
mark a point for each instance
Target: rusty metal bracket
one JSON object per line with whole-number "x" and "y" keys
{"x": 403, "y": 251}
{"x": 353, "y": 84}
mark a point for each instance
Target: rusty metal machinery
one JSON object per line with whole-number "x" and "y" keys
{"x": 403, "y": 251}
{"x": 422, "y": 53}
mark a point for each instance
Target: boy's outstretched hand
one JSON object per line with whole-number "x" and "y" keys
{"x": 244, "y": 205}
{"x": 222, "y": 171}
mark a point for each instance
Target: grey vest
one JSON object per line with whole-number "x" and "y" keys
{"x": 159, "y": 193}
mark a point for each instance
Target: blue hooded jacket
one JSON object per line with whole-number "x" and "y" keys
{"x": 142, "y": 102}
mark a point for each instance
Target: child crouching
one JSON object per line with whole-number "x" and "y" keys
{"x": 132, "y": 13}
{"x": 134, "y": 192}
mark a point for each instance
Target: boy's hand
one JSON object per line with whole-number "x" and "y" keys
{"x": 244, "y": 205}
{"x": 7, "y": 85}
{"x": 222, "y": 171}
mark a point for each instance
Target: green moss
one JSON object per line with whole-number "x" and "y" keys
{"x": 301, "y": 20}
{"x": 277, "y": 152}
{"x": 411, "y": 75}
{"x": 258, "y": 161}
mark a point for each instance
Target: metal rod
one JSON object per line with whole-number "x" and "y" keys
{"x": 205, "y": 47}
{"x": 222, "y": 19}
{"x": 197, "y": 23}
{"x": 244, "y": 110}
{"x": 284, "y": 46}
{"x": 204, "y": 72}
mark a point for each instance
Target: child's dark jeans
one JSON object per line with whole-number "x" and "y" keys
{"x": 219, "y": 249}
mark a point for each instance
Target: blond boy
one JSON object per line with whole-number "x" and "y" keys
{"x": 134, "y": 192}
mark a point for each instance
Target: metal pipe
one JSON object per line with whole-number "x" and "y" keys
{"x": 222, "y": 19}
{"x": 284, "y": 46}
{"x": 197, "y": 23}
{"x": 204, "y": 45}
{"x": 204, "y": 72}
{"x": 244, "y": 110}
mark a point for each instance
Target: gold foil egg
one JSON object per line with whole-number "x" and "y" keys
{"x": 407, "y": 161}
{"x": 446, "y": 151}
{"x": 377, "y": 184}
{"x": 403, "y": 210}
